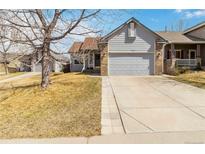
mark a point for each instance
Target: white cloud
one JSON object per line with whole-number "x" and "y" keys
{"x": 178, "y": 10}
{"x": 198, "y": 13}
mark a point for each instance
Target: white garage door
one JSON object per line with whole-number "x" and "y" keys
{"x": 131, "y": 63}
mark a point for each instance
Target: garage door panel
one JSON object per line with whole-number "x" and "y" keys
{"x": 131, "y": 64}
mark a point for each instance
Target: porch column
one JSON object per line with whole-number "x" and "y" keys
{"x": 93, "y": 60}
{"x": 198, "y": 54}
{"x": 89, "y": 59}
{"x": 173, "y": 57}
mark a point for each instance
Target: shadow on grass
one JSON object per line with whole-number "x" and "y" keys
{"x": 19, "y": 87}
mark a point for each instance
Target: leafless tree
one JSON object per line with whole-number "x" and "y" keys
{"x": 42, "y": 29}
{"x": 7, "y": 51}
{"x": 180, "y": 25}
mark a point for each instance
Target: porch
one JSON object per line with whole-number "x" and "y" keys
{"x": 93, "y": 60}
{"x": 183, "y": 55}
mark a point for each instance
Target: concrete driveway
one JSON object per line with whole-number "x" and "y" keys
{"x": 157, "y": 104}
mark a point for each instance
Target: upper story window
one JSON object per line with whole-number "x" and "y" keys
{"x": 131, "y": 30}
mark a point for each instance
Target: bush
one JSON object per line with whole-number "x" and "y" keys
{"x": 198, "y": 68}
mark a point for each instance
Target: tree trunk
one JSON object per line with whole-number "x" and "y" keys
{"x": 6, "y": 68}
{"x": 45, "y": 65}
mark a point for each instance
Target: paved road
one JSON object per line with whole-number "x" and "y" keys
{"x": 27, "y": 75}
{"x": 157, "y": 104}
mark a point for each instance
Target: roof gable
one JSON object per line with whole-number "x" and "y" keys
{"x": 90, "y": 43}
{"x": 75, "y": 47}
{"x": 116, "y": 30}
{"x": 202, "y": 24}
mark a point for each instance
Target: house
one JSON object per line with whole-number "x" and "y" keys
{"x": 134, "y": 49}
{"x": 32, "y": 62}
{"x": 12, "y": 61}
{"x": 85, "y": 53}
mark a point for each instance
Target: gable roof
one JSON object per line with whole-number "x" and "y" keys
{"x": 75, "y": 47}
{"x": 124, "y": 24}
{"x": 179, "y": 37}
{"x": 90, "y": 43}
{"x": 194, "y": 27}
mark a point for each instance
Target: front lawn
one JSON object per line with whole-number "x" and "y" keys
{"x": 4, "y": 76}
{"x": 195, "y": 78}
{"x": 71, "y": 106}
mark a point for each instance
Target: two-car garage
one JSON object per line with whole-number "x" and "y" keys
{"x": 131, "y": 63}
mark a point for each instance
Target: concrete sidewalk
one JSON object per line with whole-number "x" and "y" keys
{"x": 111, "y": 122}
{"x": 195, "y": 137}
{"x": 27, "y": 75}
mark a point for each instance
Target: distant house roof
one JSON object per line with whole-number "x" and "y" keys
{"x": 75, "y": 47}
{"x": 179, "y": 37}
{"x": 202, "y": 24}
{"x": 90, "y": 43}
{"x": 124, "y": 24}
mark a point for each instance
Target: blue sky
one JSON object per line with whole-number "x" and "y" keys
{"x": 157, "y": 19}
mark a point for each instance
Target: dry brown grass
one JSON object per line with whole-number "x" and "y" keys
{"x": 194, "y": 78}
{"x": 69, "y": 107}
{"x": 4, "y": 76}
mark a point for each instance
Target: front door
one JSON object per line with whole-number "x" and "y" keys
{"x": 97, "y": 59}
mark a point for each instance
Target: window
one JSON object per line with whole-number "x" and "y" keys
{"x": 76, "y": 62}
{"x": 168, "y": 54}
{"x": 178, "y": 54}
{"x": 192, "y": 54}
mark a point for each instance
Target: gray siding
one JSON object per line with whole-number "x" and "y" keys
{"x": 131, "y": 63}
{"x": 75, "y": 67}
{"x": 143, "y": 42}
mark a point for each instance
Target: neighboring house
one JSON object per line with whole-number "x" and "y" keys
{"x": 85, "y": 53}
{"x": 32, "y": 62}
{"x": 134, "y": 49}
{"x": 13, "y": 62}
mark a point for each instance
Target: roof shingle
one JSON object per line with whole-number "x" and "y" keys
{"x": 178, "y": 37}
{"x": 75, "y": 47}
{"x": 90, "y": 43}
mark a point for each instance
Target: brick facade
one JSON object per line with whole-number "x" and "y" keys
{"x": 104, "y": 59}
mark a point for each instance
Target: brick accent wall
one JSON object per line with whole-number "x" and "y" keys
{"x": 104, "y": 59}
{"x": 158, "y": 58}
